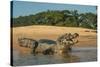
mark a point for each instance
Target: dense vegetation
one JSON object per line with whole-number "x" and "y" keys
{"x": 58, "y": 18}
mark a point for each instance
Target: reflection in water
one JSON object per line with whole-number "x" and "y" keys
{"x": 45, "y": 59}
{"x": 77, "y": 55}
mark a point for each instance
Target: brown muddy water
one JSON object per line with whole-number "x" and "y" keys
{"x": 78, "y": 54}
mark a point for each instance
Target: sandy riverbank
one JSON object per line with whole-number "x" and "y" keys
{"x": 87, "y": 37}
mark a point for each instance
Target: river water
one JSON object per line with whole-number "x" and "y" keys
{"x": 77, "y": 55}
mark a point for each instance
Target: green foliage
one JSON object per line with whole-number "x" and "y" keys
{"x": 58, "y": 18}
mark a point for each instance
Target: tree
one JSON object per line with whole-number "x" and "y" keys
{"x": 58, "y": 18}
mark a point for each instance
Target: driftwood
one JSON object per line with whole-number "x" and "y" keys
{"x": 63, "y": 44}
